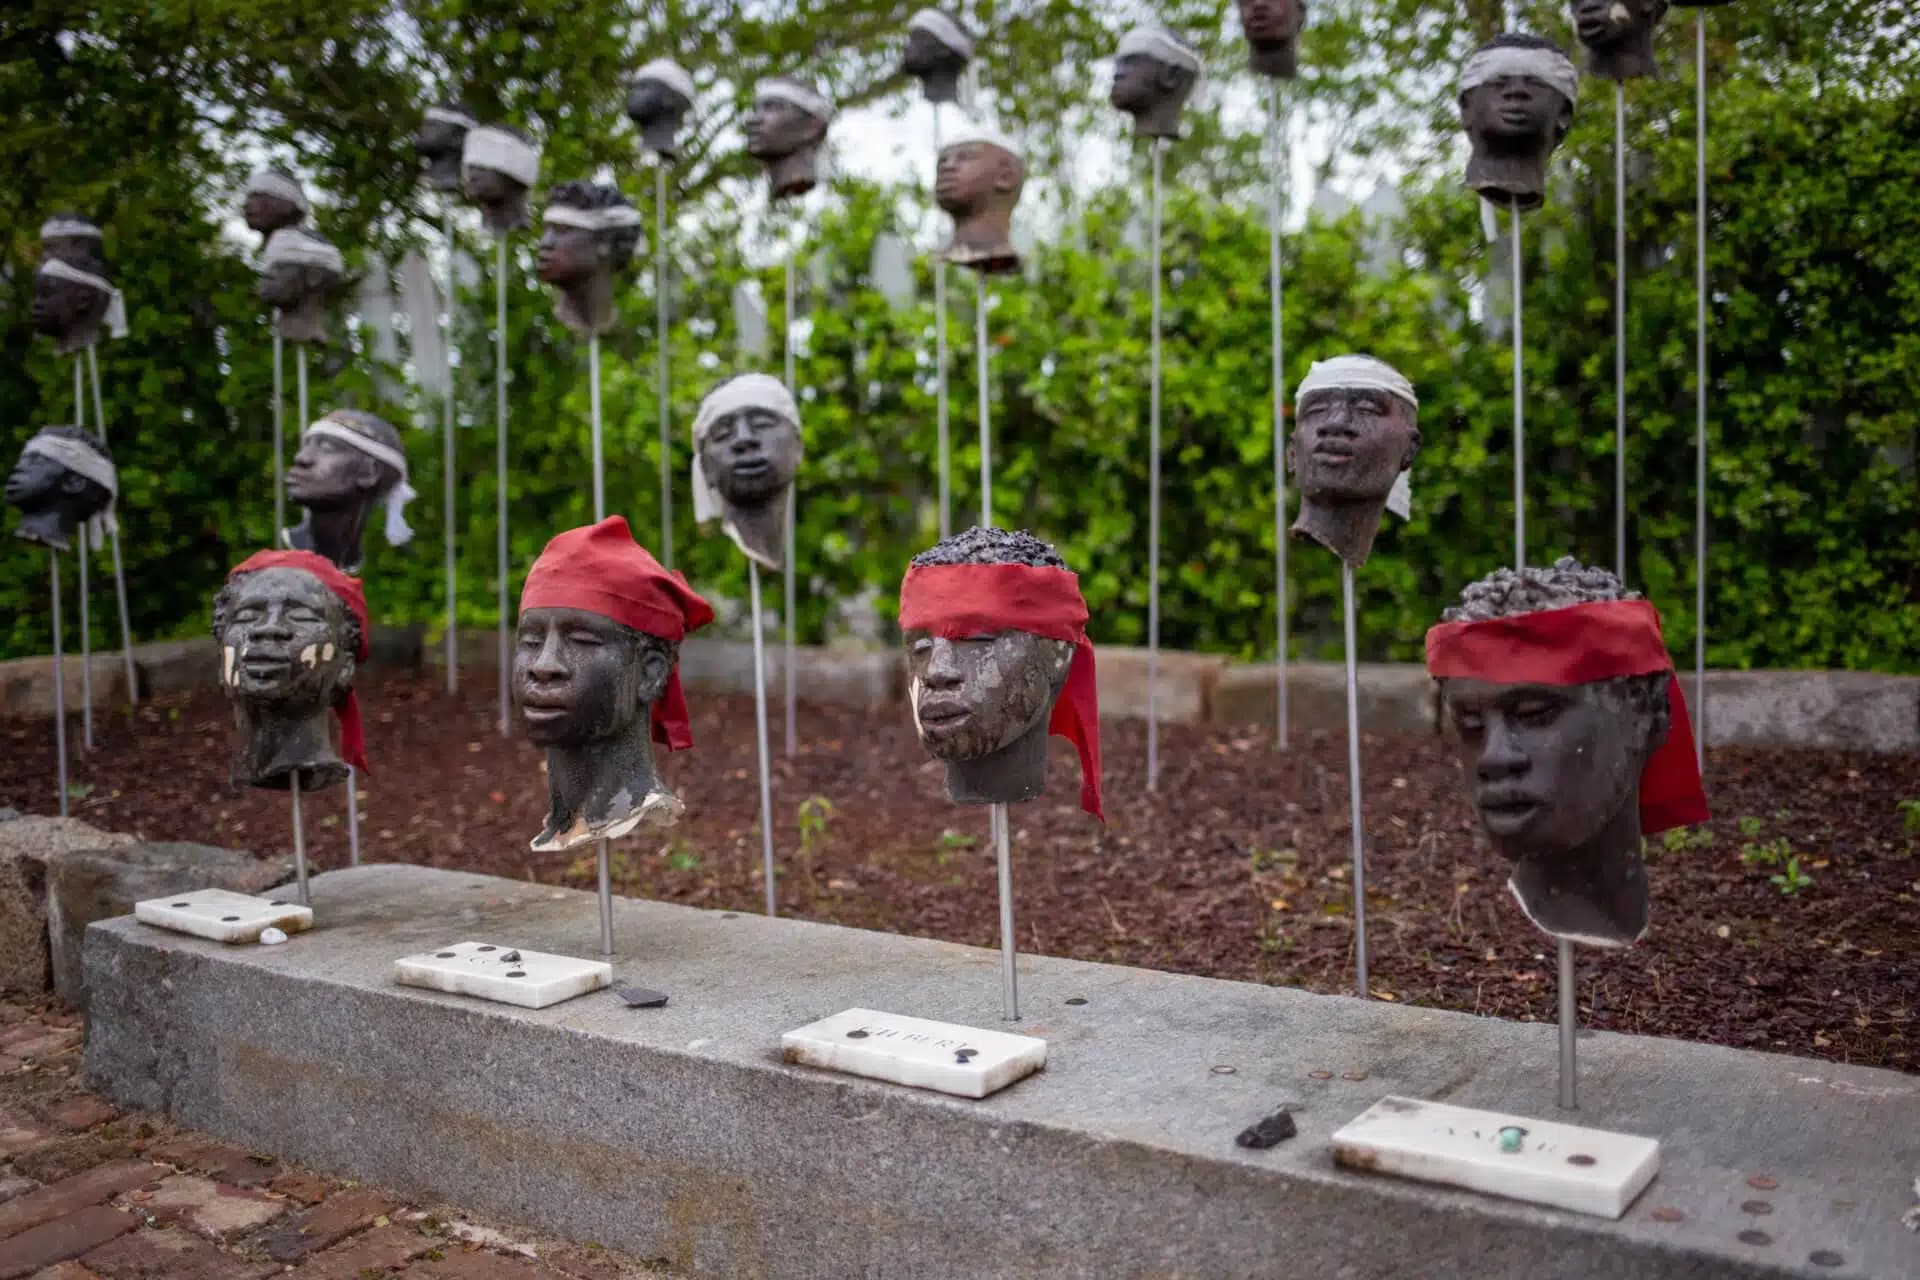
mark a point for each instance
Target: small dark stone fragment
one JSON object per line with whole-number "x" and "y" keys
{"x": 1268, "y": 1131}
{"x": 641, "y": 998}
{"x": 512, "y": 957}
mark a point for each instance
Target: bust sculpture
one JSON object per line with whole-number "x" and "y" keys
{"x": 785, "y": 131}
{"x": 1154, "y": 73}
{"x": 1572, "y": 729}
{"x": 595, "y": 676}
{"x": 441, "y": 141}
{"x": 1517, "y": 95}
{"x": 1355, "y": 434}
{"x": 273, "y": 200}
{"x": 64, "y": 478}
{"x": 292, "y": 630}
{"x": 589, "y": 233}
{"x": 1618, "y": 35}
{"x": 746, "y": 452}
{"x": 73, "y": 239}
{"x": 658, "y": 103}
{"x": 997, "y": 659}
{"x": 937, "y": 54}
{"x": 497, "y": 166}
{"x": 978, "y": 183}
{"x": 348, "y": 462}
{"x": 299, "y": 278}
{"x": 73, "y": 300}
{"x": 1272, "y": 27}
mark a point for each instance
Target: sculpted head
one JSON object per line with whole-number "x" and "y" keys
{"x": 785, "y": 130}
{"x": 64, "y": 478}
{"x": 658, "y": 102}
{"x": 1517, "y": 95}
{"x": 72, "y": 237}
{"x": 300, "y": 275}
{"x": 589, "y": 232}
{"x": 331, "y": 472}
{"x": 286, "y": 641}
{"x": 580, "y": 677}
{"x": 71, "y": 300}
{"x": 497, "y": 166}
{"x": 1618, "y": 35}
{"x": 937, "y": 53}
{"x": 273, "y": 199}
{"x": 747, "y": 450}
{"x": 1272, "y": 27}
{"x": 439, "y": 142}
{"x": 1154, "y": 73}
{"x": 978, "y": 181}
{"x": 1356, "y": 430}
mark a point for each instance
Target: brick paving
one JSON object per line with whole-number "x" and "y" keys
{"x": 91, "y": 1192}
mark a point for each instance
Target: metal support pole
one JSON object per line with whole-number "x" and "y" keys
{"x": 86, "y": 591}
{"x": 940, "y": 363}
{"x": 1700, "y": 394}
{"x": 986, "y": 400}
{"x": 59, "y": 685}
{"x": 606, "y": 898}
{"x": 279, "y": 434}
{"x": 500, "y": 473}
{"x": 793, "y": 552}
{"x": 299, "y": 842}
{"x": 1519, "y": 410}
{"x": 1153, "y": 493}
{"x": 1620, "y": 330}
{"x": 1009, "y": 974}
{"x": 1569, "y": 1029}
{"x": 300, "y": 383}
{"x": 1353, "y": 784}
{"x": 447, "y": 487}
{"x": 113, "y": 541}
{"x": 1276, "y": 214}
{"x": 593, "y": 411}
{"x": 760, "y": 723}
{"x": 353, "y": 816}
{"x": 663, "y": 327}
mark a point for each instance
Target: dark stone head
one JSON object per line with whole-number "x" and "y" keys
{"x": 777, "y": 128}
{"x": 751, "y": 455}
{"x": 1272, "y": 27}
{"x": 438, "y": 142}
{"x": 570, "y": 256}
{"x": 931, "y": 53}
{"x": 54, "y": 500}
{"x": 1151, "y": 82}
{"x": 580, "y": 677}
{"x": 68, "y": 309}
{"x": 329, "y": 474}
{"x": 287, "y": 643}
{"x": 268, "y": 213}
{"x": 1350, "y": 444}
{"x": 288, "y": 284}
{"x": 75, "y": 249}
{"x": 486, "y": 185}
{"x": 1618, "y": 35}
{"x": 1514, "y": 124}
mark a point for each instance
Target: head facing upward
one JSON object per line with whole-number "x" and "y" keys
{"x": 1607, "y": 23}
{"x": 1269, "y": 23}
{"x": 1154, "y": 73}
{"x": 1356, "y": 428}
{"x": 936, "y": 45}
{"x": 65, "y": 307}
{"x": 1517, "y": 94}
{"x": 286, "y": 639}
{"x": 788, "y": 116}
{"x": 979, "y": 169}
{"x": 62, "y": 498}
{"x": 497, "y": 164}
{"x": 330, "y": 472}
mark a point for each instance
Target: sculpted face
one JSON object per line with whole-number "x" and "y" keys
{"x": 970, "y": 173}
{"x": 777, "y": 128}
{"x": 751, "y": 456}
{"x": 329, "y": 473}
{"x": 62, "y": 307}
{"x": 567, "y": 255}
{"x": 268, "y": 213}
{"x": 283, "y": 639}
{"x": 38, "y": 482}
{"x": 1516, "y": 113}
{"x": 436, "y": 140}
{"x": 649, "y": 100}
{"x": 490, "y": 186}
{"x": 287, "y": 284}
{"x": 926, "y": 56}
{"x": 1348, "y": 445}
{"x": 1600, "y": 23}
{"x": 579, "y": 677}
{"x": 1270, "y": 22}
{"x": 1136, "y": 82}
{"x": 974, "y": 696}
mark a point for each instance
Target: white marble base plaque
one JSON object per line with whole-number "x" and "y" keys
{"x": 508, "y": 975}
{"x": 1564, "y": 1166}
{"x": 943, "y": 1056}
{"x": 223, "y": 916}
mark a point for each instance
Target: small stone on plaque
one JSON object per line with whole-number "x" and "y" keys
{"x": 641, "y": 998}
{"x": 1268, "y": 1131}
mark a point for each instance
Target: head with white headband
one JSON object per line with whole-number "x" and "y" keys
{"x": 938, "y": 51}
{"x": 1355, "y": 433}
{"x": 73, "y": 300}
{"x": 299, "y": 276}
{"x": 978, "y": 182}
{"x": 1154, "y": 73}
{"x": 589, "y": 233}
{"x": 272, "y": 199}
{"x": 497, "y": 166}
{"x": 746, "y": 451}
{"x": 349, "y": 462}
{"x": 73, "y": 238}
{"x": 785, "y": 130}
{"x": 1272, "y": 27}
{"x": 658, "y": 102}
{"x": 64, "y": 479}
{"x": 1618, "y": 35}
{"x": 441, "y": 140}
{"x": 1516, "y": 101}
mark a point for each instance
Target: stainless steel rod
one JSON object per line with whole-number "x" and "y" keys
{"x": 505, "y": 643}
{"x": 663, "y": 329}
{"x": 86, "y": 589}
{"x": 791, "y": 566}
{"x": 1519, "y": 408}
{"x": 593, "y": 413}
{"x": 760, "y": 727}
{"x": 59, "y": 685}
{"x": 353, "y": 816}
{"x": 1353, "y": 785}
{"x": 1620, "y": 329}
{"x": 1700, "y": 394}
{"x": 942, "y": 442}
{"x": 1153, "y": 489}
{"x": 279, "y": 434}
{"x": 1009, "y": 972}
{"x": 1276, "y": 288}
{"x": 986, "y": 399}
{"x": 299, "y": 842}
{"x": 1569, "y": 1030}
{"x": 113, "y": 542}
{"x": 606, "y": 898}
{"x": 448, "y": 496}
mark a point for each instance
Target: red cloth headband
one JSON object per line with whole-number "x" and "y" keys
{"x": 955, "y": 601}
{"x": 601, "y": 569}
{"x": 353, "y": 736}
{"x": 1580, "y": 644}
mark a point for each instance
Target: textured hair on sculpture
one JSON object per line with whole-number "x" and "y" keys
{"x": 992, "y": 546}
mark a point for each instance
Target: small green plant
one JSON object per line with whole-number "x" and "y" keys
{"x": 1770, "y": 853}
{"x": 951, "y": 839}
{"x": 1681, "y": 839}
{"x": 79, "y": 790}
{"x": 1750, "y": 826}
{"x": 1263, "y": 860}
{"x": 1791, "y": 879}
{"x": 682, "y": 859}
{"x": 1909, "y": 810}
{"x": 815, "y": 813}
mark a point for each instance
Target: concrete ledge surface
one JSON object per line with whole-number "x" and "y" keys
{"x": 680, "y": 1135}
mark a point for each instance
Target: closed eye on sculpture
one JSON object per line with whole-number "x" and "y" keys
{"x": 583, "y": 636}
{"x": 300, "y": 614}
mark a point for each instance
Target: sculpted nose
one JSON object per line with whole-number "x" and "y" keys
{"x": 547, "y": 666}
{"x": 943, "y": 666}
{"x": 1501, "y": 756}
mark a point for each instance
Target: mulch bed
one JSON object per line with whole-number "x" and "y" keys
{"x": 1237, "y": 867}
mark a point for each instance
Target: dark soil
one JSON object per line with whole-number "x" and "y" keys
{"x": 1237, "y": 868}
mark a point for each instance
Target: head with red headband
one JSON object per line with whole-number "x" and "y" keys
{"x": 998, "y": 658}
{"x": 595, "y": 674}
{"x": 292, "y": 631}
{"x": 1572, "y": 727}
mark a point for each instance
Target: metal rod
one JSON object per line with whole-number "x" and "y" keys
{"x": 113, "y": 541}
{"x": 663, "y": 328}
{"x": 299, "y": 842}
{"x": 1620, "y": 329}
{"x": 760, "y": 724}
{"x": 353, "y": 817}
{"x": 447, "y": 495}
{"x": 300, "y": 383}
{"x": 1276, "y": 214}
{"x": 1569, "y": 1029}
{"x": 1519, "y": 410}
{"x": 1009, "y": 973}
{"x": 1353, "y": 784}
{"x": 942, "y": 443}
{"x": 606, "y": 898}
{"x": 500, "y": 472}
{"x": 1153, "y": 492}
{"x": 593, "y": 413}
{"x": 1700, "y": 394}
{"x": 986, "y": 402}
{"x": 791, "y": 560}
{"x": 86, "y": 590}
{"x": 59, "y": 685}
{"x": 279, "y": 433}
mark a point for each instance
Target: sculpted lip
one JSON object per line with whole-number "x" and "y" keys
{"x": 1506, "y": 811}
{"x": 943, "y": 715}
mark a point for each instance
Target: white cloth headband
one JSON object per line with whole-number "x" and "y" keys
{"x": 749, "y": 391}
{"x": 83, "y": 459}
{"x": 1355, "y": 373}
{"x": 269, "y": 183}
{"x": 116, "y": 317}
{"x": 399, "y": 533}
{"x": 491, "y": 148}
{"x": 56, "y": 228}
{"x": 942, "y": 28}
{"x": 1162, "y": 46}
{"x": 291, "y": 244}
{"x": 447, "y": 115}
{"x": 1549, "y": 66}
{"x": 669, "y": 73}
{"x": 784, "y": 90}
{"x": 565, "y": 215}
{"x": 971, "y": 133}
